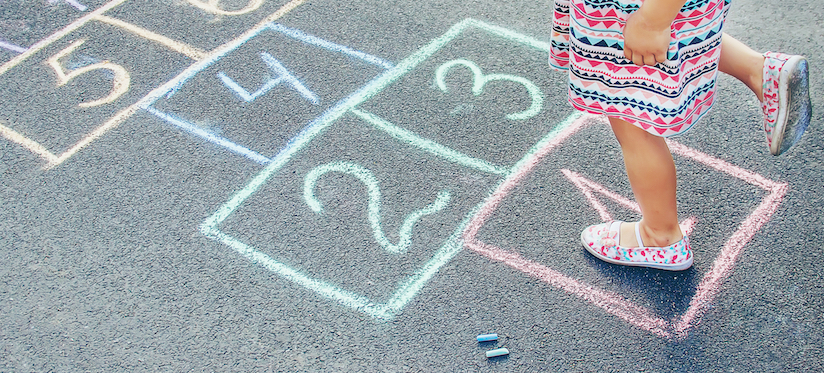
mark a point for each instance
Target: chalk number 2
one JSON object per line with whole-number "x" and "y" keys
{"x": 374, "y": 208}
{"x": 121, "y": 76}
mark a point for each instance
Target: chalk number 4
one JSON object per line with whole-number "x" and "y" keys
{"x": 121, "y": 76}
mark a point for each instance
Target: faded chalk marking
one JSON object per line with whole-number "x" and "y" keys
{"x": 120, "y": 81}
{"x": 283, "y": 75}
{"x": 242, "y": 92}
{"x": 293, "y": 81}
{"x": 32, "y": 146}
{"x": 429, "y": 145}
{"x": 480, "y": 80}
{"x": 182, "y": 48}
{"x": 73, "y": 3}
{"x": 209, "y": 136}
{"x": 54, "y": 160}
{"x": 213, "y": 6}
{"x": 12, "y": 47}
{"x": 374, "y": 193}
{"x": 312, "y": 40}
{"x": 57, "y": 36}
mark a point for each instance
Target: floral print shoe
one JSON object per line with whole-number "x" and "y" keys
{"x": 786, "y": 105}
{"x": 601, "y": 240}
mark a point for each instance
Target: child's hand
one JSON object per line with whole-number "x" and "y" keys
{"x": 646, "y": 39}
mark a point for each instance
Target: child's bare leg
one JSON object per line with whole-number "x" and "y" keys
{"x": 740, "y": 61}
{"x": 651, "y": 173}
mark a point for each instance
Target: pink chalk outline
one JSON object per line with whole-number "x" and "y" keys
{"x": 615, "y": 303}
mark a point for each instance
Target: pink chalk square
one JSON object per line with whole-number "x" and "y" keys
{"x": 611, "y": 301}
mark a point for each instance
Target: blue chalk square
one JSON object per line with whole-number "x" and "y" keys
{"x": 252, "y": 99}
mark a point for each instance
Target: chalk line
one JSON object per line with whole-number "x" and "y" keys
{"x": 616, "y": 304}
{"x": 429, "y": 145}
{"x": 209, "y": 136}
{"x": 312, "y": 40}
{"x": 57, "y": 36}
{"x": 174, "y": 45}
{"x": 407, "y": 290}
{"x": 12, "y": 47}
{"x": 124, "y": 114}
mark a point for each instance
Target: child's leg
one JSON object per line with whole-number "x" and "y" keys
{"x": 784, "y": 96}
{"x": 651, "y": 173}
{"x": 743, "y": 63}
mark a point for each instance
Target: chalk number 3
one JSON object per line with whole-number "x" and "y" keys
{"x": 480, "y": 81}
{"x": 121, "y": 76}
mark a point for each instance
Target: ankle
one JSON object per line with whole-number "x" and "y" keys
{"x": 660, "y": 236}
{"x": 756, "y": 79}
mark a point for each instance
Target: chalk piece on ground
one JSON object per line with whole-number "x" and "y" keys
{"x": 498, "y": 352}
{"x": 487, "y": 337}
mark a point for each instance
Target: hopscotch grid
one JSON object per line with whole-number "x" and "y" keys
{"x": 614, "y": 303}
{"x": 414, "y": 283}
{"x": 55, "y": 160}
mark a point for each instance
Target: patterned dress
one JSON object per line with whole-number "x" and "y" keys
{"x": 665, "y": 99}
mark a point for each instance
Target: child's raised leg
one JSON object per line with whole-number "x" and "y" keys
{"x": 781, "y": 84}
{"x": 743, "y": 63}
{"x": 651, "y": 173}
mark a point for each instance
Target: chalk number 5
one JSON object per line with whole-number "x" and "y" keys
{"x": 121, "y": 76}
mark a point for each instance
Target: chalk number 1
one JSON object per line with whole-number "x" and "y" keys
{"x": 121, "y": 76}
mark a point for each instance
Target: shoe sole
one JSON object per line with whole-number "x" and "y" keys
{"x": 795, "y": 109}
{"x": 666, "y": 267}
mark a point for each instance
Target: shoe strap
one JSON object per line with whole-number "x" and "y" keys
{"x": 638, "y": 234}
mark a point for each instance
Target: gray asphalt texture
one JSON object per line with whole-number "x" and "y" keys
{"x": 105, "y": 266}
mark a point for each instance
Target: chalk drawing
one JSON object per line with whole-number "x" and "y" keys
{"x": 283, "y": 75}
{"x": 213, "y": 6}
{"x": 209, "y": 136}
{"x": 374, "y": 213}
{"x": 611, "y": 302}
{"x": 407, "y": 290}
{"x": 120, "y": 82}
{"x": 172, "y": 87}
{"x": 480, "y": 80}
{"x": 332, "y": 47}
{"x": 12, "y": 47}
{"x": 174, "y": 45}
{"x": 54, "y": 160}
{"x": 430, "y": 146}
{"x": 587, "y": 187}
{"x": 73, "y": 3}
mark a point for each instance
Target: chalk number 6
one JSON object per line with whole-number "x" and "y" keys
{"x": 480, "y": 81}
{"x": 121, "y": 76}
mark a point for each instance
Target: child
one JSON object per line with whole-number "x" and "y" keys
{"x": 650, "y": 66}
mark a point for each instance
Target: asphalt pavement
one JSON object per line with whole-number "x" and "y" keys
{"x": 329, "y": 186}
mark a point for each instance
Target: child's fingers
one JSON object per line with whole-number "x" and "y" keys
{"x": 628, "y": 53}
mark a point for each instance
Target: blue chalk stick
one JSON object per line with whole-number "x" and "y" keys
{"x": 487, "y": 337}
{"x": 498, "y": 352}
